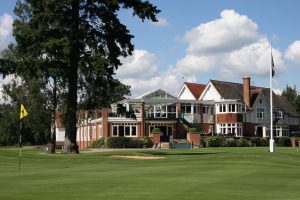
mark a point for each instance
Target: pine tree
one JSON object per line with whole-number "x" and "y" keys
{"x": 76, "y": 41}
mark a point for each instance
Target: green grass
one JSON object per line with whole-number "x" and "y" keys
{"x": 210, "y": 173}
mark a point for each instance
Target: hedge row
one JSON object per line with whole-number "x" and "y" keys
{"x": 219, "y": 141}
{"x": 123, "y": 142}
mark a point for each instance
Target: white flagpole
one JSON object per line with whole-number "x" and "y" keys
{"x": 271, "y": 105}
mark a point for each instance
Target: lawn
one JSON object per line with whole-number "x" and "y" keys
{"x": 209, "y": 173}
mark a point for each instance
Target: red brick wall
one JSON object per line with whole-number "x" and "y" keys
{"x": 229, "y": 118}
{"x": 194, "y": 138}
{"x": 206, "y": 127}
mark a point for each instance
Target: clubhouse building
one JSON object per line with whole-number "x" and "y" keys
{"x": 217, "y": 108}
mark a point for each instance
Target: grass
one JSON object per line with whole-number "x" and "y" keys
{"x": 210, "y": 173}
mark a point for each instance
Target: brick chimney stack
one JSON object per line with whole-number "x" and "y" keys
{"x": 246, "y": 90}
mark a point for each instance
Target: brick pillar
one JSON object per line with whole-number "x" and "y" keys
{"x": 142, "y": 133}
{"x": 105, "y": 127}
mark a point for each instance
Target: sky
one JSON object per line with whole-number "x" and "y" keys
{"x": 197, "y": 41}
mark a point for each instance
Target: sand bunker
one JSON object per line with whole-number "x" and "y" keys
{"x": 140, "y": 157}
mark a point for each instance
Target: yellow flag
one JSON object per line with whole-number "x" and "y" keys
{"x": 23, "y": 112}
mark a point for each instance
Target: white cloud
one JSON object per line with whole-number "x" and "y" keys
{"x": 253, "y": 59}
{"x": 293, "y": 52}
{"x": 141, "y": 73}
{"x": 193, "y": 63}
{"x": 162, "y": 21}
{"x": 231, "y": 45}
{"x": 165, "y": 81}
{"x": 6, "y": 22}
{"x": 229, "y": 32}
{"x": 141, "y": 64}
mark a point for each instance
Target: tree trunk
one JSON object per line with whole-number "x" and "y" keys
{"x": 70, "y": 145}
{"x": 53, "y": 132}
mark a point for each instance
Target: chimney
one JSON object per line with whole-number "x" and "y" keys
{"x": 246, "y": 90}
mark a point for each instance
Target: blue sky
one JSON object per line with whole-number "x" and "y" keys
{"x": 209, "y": 39}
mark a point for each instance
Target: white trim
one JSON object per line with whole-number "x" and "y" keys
{"x": 208, "y": 87}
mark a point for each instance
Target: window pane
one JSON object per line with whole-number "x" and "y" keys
{"x": 133, "y": 130}
{"x": 115, "y": 130}
{"x": 127, "y": 130}
{"x": 121, "y": 131}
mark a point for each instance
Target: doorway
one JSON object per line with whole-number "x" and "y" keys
{"x": 259, "y": 131}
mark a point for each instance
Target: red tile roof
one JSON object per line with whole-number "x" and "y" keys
{"x": 196, "y": 89}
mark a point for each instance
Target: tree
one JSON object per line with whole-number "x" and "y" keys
{"x": 80, "y": 40}
{"x": 36, "y": 128}
{"x": 293, "y": 97}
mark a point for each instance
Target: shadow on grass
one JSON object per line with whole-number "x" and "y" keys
{"x": 161, "y": 153}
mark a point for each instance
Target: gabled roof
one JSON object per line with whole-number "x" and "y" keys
{"x": 280, "y": 102}
{"x": 195, "y": 88}
{"x": 157, "y": 94}
{"x": 229, "y": 90}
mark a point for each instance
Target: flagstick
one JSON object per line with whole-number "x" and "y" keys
{"x": 271, "y": 106}
{"x": 20, "y": 146}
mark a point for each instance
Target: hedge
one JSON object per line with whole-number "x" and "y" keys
{"x": 284, "y": 141}
{"x": 125, "y": 142}
{"x": 215, "y": 141}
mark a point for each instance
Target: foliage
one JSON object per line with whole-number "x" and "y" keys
{"x": 293, "y": 97}
{"x": 79, "y": 43}
{"x": 242, "y": 142}
{"x": 100, "y": 143}
{"x": 36, "y": 126}
{"x": 155, "y": 130}
{"x": 9, "y": 129}
{"x": 230, "y": 142}
{"x": 193, "y": 130}
{"x": 256, "y": 141}
{"x": 215, "y": 141}
{"x": 264, "y": 142}
{"x": 202, "y": 142}
{"x": 126, "y": 142}
{"x": 146, "y": 142}
{"x": 284, "y": 141}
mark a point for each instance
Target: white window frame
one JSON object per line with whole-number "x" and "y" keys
{"x": 227, "y": 128}
{"x": 126, "y": 126}
{"x": 278, "y": 113}
{"x": 260, "y": 113}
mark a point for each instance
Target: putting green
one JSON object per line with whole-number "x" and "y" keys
{"x": 209, "y": 173}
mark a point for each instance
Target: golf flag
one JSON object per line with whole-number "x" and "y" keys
{"x": 272, "y": 65}
{"x": 23, "y": 112}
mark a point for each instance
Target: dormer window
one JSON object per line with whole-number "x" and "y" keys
{"x": 278, "y": 113}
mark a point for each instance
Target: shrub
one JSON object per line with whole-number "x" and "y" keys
{"x": 116, "y": 142}
{"x": 230, "y": 142}
{"x": 241, "y": 142}
{"x": 202, "y": 142}
{"x": 124, "y": 142}
{"x": 98, "y": 143}
{"x": 193, "y": 130}
{"x": 146, "y": 142}
{"x": 217, "y": 141}
{"x": 156, "y": 130}
{"x": 264, "y": 142}
{"x": 284, "y": 141}
{"x": 256, "y": 141}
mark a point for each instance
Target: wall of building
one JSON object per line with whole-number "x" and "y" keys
{"x": 229, "y": 118}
